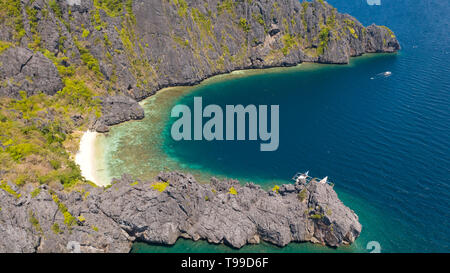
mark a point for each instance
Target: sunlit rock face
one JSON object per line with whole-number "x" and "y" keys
{"x": 144, "y": 45}
{"x": 173, "y": 205}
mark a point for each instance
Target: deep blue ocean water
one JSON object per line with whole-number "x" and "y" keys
{"x": 383, "y": 141}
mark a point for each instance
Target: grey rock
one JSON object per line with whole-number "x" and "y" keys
{"x": 126, "y": 212}
{"x": 381, "y": 39}
{"x": 115, "y": 110}
{"x": 24, "y": 70}
{"x": 169, "y": 48}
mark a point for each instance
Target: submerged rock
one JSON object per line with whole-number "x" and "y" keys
{"x": 174, "y": 205}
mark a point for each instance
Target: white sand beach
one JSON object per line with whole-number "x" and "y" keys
{"x": 86, "y": 157}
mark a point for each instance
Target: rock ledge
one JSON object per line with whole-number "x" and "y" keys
{"x": 111, "y": 219}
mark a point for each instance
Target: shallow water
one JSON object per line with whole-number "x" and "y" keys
{"x": 383, "y": 141}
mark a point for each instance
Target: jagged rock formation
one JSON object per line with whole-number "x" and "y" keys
{"x": 125, "y": 51}
{"x": 22, "y": 69}
{"x": 43, "y": 221}
{"x": 115, "y": 110}
{"x": 141, "y": 46}
{"x": 173, "y": 206}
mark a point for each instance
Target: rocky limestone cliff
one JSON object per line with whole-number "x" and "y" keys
{"x": 172, "y": 206}
{"x": 24, "y": 70}
{"x": 137, "y": 47}
{"x": 123, "y": 51}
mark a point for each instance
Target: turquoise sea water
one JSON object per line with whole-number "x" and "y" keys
{"x": 383, "y": 141}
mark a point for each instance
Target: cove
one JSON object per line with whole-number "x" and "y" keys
{"x": 384, "y": 142}
{"x": 347, "y": 148}
{"x": 143, "y": 148}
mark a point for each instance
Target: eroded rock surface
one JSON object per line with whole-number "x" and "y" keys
{"x": 24, "y": 70}
{"x": 115, "y": 110}
{"x": 110, "y": 220}
{"x": 141, "y": 46}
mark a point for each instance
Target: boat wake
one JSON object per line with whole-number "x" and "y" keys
{"x": 386, "y": 74}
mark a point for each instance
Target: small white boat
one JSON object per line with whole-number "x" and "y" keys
{"x": 301, "y": 177}
{"x": 382, "y": 75}
{"x": 323, "y": 181}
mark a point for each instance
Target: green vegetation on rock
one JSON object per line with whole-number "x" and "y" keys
{"x": 34, "y": 222}
{"x": 4, "y": 46}
{"x": 323, "y": 40}
{"x": 56, "y": 229}
{"x": 232, "y": 191}
{"x": 36, "y": 134}
{"x": 69, "y": 219}
{"x": 316, "y": 216}
{"x": 112, "y": 8}
{"x": 391, "y": 34}
{"x": 289, "y": 42}
{"x": 182, "y": 7}
{"x": 11, "y": 15}
{"x": 56, "y": 8}
{"x": 88, "y": 58}
{"x": 302, "y": 195}
{"x": 244, "y": 25}
{"x": 276, "y": 188}
{"x": 160, "y": 186}
{"x": 35, "y": 192}
{"x": 226, "y": 6}
{"x": 351, "y": 28}
{"x": 4, "y": 186}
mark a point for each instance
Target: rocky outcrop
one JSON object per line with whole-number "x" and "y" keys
{"x": 138, "y": 47}
{"x": 381, "y": 39}
{"x": 24, "y": 70}
{"x": 142, "y": 46}
{"x": 115, "y": 110}
{"x": 174, "y": 205}
{"x": 44, "y": 222}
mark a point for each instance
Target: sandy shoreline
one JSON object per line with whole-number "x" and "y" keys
{"x": 85, "y": 157}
